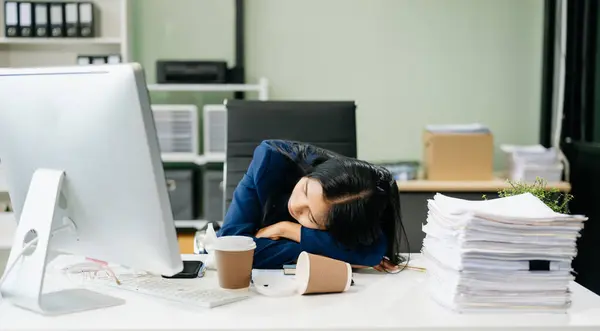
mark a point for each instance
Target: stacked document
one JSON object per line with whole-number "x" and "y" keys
{"x": 507, "y": 254}
{"x": 526, "y": 163}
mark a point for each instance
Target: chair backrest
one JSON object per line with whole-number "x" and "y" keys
{"x": 327, "y": 124}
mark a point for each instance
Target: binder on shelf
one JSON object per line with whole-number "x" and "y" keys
{"x": 99, "y": 60}
{"x": 71, "y": 20}
{"x": 40, "y": 19}
{"x": 113, "y": 59}
{"x": 25, "y": 19}
{"x": 83, "y": 60}
{"x": 11, "y": 19}
{"x": 86, "y": 19}
{"x": 57, "y": 20}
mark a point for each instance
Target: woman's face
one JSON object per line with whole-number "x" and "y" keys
{"x": 307, "y": 204}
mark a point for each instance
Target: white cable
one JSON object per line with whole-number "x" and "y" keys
{"x": 10, "y": 267}
{"x": 559, "y": 105}
{"x": 25, "y": 248}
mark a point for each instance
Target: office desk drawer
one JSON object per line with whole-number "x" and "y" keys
{"x": 413, "y": 207}
{"x": 180, "y": 184}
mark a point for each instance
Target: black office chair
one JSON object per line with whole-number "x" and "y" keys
{"x": 327, "y": 124}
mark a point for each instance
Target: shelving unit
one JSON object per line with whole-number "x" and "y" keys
{"x": 59, "y": 41}
{"x": 262, "y": 88}
{"x": 112, "y": 30}
{"x": 113, "y": 36}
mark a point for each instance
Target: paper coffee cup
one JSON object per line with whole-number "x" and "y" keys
{"x": 234, "y": 256}
{"x": 320, "y": 274}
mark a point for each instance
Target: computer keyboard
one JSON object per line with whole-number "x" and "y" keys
{"x": 179, "y": 290}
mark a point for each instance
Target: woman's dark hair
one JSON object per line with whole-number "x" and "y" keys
{"x": 364, "y": 198}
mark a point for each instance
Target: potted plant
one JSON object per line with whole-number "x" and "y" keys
{"x": 552, "y": 197}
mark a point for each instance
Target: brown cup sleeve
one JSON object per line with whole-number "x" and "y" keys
{"x": 320, "y": 274}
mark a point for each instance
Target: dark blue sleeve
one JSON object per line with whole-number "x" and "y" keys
{"x": 244, "y": 215}
{"x": 321, "y": 243}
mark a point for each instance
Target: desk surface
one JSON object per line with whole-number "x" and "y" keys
{"x": 423, "y": 185}
{"x": 377, "y": 302}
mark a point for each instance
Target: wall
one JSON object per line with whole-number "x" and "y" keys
{"x": 406, "y": 62}
{"x": 185, "y": 29}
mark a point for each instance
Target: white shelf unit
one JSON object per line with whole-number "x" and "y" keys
{"x": 262, "y": 88}
{"x": 112, "y": 37}
{"x": 33, "y": 42}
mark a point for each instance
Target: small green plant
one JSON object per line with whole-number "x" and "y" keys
{"x": 552, "y": 197}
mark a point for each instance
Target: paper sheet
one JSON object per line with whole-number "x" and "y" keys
{"x": 507, "y": 254}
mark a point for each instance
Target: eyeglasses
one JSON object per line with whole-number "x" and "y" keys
{"x": 96, "y": 270}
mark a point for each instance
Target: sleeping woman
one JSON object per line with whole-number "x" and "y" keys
{"x": 297, "y": 197}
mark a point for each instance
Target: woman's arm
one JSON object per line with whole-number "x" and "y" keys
{"x": 244, "y": 215}
{"x": 321, "y": 243}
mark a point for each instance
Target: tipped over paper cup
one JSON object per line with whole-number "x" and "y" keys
{"x": 319, "y": 274}
{"x": 234, "y": 256}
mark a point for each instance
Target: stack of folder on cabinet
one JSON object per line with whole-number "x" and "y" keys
{"x": 507, "y": 254}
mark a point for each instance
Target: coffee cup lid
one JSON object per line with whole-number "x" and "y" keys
{"x": 234, "y": 243}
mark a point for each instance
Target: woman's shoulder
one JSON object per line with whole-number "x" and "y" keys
{"x": 294, "y": 150}
{"x": 269, "y": 155}
{"x": 277, "y": 146}
{"x": 268, "y": 147}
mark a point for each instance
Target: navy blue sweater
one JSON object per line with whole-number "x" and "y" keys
{"x": 245, "y": 214}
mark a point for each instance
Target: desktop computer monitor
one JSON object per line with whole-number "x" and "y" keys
{"x": 85, "y": 177}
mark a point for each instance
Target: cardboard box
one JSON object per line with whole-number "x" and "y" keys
{"x": 458, "y": 156}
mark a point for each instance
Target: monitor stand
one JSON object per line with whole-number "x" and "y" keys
{"x": 41, "y": 217}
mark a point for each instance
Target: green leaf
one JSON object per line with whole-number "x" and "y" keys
{"x": 552, "y": 197}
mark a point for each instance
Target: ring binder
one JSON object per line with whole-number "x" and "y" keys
{"x": 57, "y": 19}
{"x": 86, "y": 19}
{"x": 71, "y": 20}
{"x": 25, "y": 19}
{"x": 40, "y": 17}
{"x": 11, "y": 19}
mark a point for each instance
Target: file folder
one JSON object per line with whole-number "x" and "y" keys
{"x": 25, "y": 20}
{"x": 11, "y": 19}
{"x": 83, "y": 60}
{"x": 86, "y": 19}
{"x": 72, "y": 20}
{"x": 57, "y": 20}
{"x": 99, "y": 60}
{"x": 40, "y": 19}
{"x": 113, "y": 59}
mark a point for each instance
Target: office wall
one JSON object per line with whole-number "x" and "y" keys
{"x": 406, "y": 62}
{"x": 182, "y": 30}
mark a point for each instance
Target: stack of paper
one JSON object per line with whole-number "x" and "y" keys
{"x": 506, "y": 254}
{"x": 526, "y": 163}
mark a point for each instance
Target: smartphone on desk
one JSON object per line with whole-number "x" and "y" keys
{"x": 191, "y": 269}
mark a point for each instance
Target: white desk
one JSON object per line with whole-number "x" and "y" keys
{"x": 377, "y": 302}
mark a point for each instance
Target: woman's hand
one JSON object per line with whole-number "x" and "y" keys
{"x": 384, "y": 266}
{"x": 288, "y": 230}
